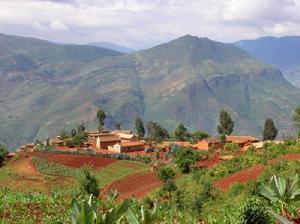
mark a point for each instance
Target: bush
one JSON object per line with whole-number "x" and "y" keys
{"x": 184, "y": 158}
{"x": 255, "y": 211}
{"x": 88, "y": 183}
{"x": 166, "y": 173}
{"x": 3, "y": 153}
{"x": 232, "y": 146}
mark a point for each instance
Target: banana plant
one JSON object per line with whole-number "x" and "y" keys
{"x": 85, "y": 212}
{"x": 144, "y": 216}
{"x": 281, "y": 191}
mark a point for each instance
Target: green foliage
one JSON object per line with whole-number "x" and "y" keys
{"x": 166, "y": 173}
{"x": 282, "y": 191}
{"x": 50, "y": 168}
{"x": 86, "y": 212}
{"x": 270, "y": 131}
{"x": 226, "y": 123}
{"x": 139, "y": 126}
{"x": 169, "y": 186}
{"x": 156, "y": 132}
{"x": 88, "y": 183}
{"x": 255, "y": 211}
{"x": 232, "y": 146}
{"x": 101, "y": 116}
{"x": 30, "y": 207}
{"x": 181, "y": 133}
{"x": 3, "y": 153}
{"x": 198, "y": 136}
{"x": 184, "y": 158}
{"x": 296, "y": 116}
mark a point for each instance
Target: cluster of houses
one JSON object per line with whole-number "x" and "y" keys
{"x": 119, "y": 141}
{"x": 216, "y": 143}
{"x": 125, "y": 141}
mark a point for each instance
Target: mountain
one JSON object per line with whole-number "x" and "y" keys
{"x": 46, "y": 88}
{"x": 283, "y": 52}
{"x": 112, "y": 46}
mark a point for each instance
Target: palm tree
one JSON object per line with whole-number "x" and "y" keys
{"x": 282, "y": 191}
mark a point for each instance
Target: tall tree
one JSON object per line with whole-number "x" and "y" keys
{"x": 156, "y": 132}
{"x": 181, "y": 133}
{"x": 139, "y": 126}
{"x": 101, "y": 116}
{"x": 296, "y": 118}
{"x": 226, "y": 123}
{"x": 270, "y": 131}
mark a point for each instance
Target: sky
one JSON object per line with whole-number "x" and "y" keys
{"x": 144, "y": 23}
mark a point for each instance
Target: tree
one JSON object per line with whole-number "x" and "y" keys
{"x": 270, "y": 131}
{"x": 169, "y": 186}
{"x": 139, "y": 126}
{"x": 198, "y": 136}
{"x": 184, "y": 158}
{"x": 296, "y": 118}
{"x": 101, "y": 116}
{"x": 181, "y": 133}
{"x": 3, "y": 153}
{"x": 81, "y": 128}
{"x": 255, "y": 211}
{"x": 166, "y": 173}
{"x": 226, "y": 123}
{"x": 156, "y": 132}
{"x": 282, "y": 191}
{"x": 88, "y": 183}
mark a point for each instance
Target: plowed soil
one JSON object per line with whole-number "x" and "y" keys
{"x": 252, "y": 173}
{"x": 76, "y": 161}
{"x": 138, "y": 185}
{"x": 242, "y": 176}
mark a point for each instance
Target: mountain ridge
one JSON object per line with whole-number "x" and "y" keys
{"x": 282, "y": 52}
{"x": 187, "y": 80}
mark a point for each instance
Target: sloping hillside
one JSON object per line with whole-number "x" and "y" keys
{"x": 282, "y": 52}
{"x": 46, "y": 87}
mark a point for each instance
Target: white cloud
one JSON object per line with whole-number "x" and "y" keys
{"x": 140, "y": 23}
{"x": 57, "y": 25}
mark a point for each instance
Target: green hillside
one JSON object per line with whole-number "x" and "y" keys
{"x": 47, "y": 87}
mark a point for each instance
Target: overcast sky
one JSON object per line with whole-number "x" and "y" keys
{"x": 143, "y": 23}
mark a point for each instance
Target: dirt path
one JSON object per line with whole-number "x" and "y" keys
{"x": 23, "y": 165}
{"x": 138, "y": 185}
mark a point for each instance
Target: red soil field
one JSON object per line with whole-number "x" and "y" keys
{"x": 242, "y": 176}
{"x": 76, "y": 161}
{"x": 138, "y": 185}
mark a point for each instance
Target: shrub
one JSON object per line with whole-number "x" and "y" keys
{"x": 166, "y": 173}
{"x": 184, "y": 158}
{"x": 3, "y": 153}
{"x": 232, "y": 146}
{"x": 88, "y": 183}
{"x": 255, "y": 211}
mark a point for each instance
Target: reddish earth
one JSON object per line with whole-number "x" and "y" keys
{"x": 138, "y": 185}
{"x": 76, "y": 161}
{"x": 242, "y": 176}
{"x": 210, "y": 162}
{"x": 252, "y": 173}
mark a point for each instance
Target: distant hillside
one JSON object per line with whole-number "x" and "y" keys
{"x": 45, "y": 88}
{"x": 282, "y": 52}
{"x": 112, "y": 46}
